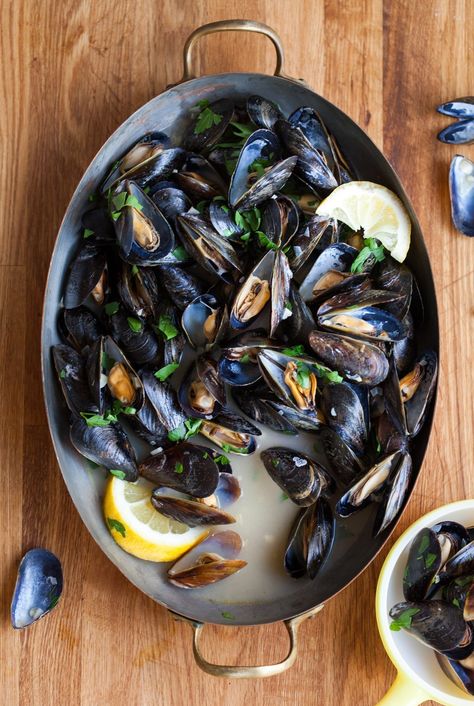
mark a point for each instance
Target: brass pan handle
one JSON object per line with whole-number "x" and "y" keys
{"x": 244, "y": 672}
{"x": 231, "y": 26}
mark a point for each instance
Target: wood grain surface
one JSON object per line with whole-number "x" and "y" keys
{"x": 70, "y": 73}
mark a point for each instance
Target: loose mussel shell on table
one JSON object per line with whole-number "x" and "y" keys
{"x": 207, "y": 292}
{"x": 38, "y": 587}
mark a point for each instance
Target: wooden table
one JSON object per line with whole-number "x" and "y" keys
{"x": 72, "y": 71}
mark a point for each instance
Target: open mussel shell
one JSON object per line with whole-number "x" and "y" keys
{"x": 254, "y": 293}
{"x": 211, "y": 250}
{"x": 360, "y": 295}
{"x": 263, "y": 112}
{"x": 462, "y": 676}
{"x": 395, "y": 493}
{"x": 198, "y": 140}
{"x": 185, "y": 467}
{"x": 79, "y": 327}
{"x": 462, "y": 563}
{"x": 417, "y": 390}
{"x": 87, "y": 276}
{"x": 344, "y": 414}
{"x": 202, "y": 391}
{"x": 199, "y": 180}
{"x": 111, "y": 377}
{"x": 238, "y": 363}
{"x": 310, "y": 540}
{"x": 71, "y": 370}
{"x": 461, "y": 189}
{"x": 212, "y": 560}
{"x": 312, "y": 127}
{"x": 359, "y": 361}
{"x": 292, "y": 378}
{"x": 452, "y": 537}
{"x": 458, "y": 133}
{"x": 280, "y": 292}
{"x": 423, "y": 564}
{"x": 263, "y": 411}
{"x": 362, "y": 492}
{"x": 164, "y": 400}
{"x": 143, "y": 234}
{"x": 204, "y": 321}
{"x": 395, "y": 277}
{"x": 312, "y": 166}
{"x": 365, "y": 322}
{"x": 337, "y": 257}
{"x": 298, "y": 326}
{"x": 280, "y": 220}
{"x": 190, "y": 512}
{"x": 148, "y": 426}
{"x": 182, "y": 286}
{"x": 439, "y": 625}
{"x": 231, "y": 432}
{"x": 222, "y": 220}
{"x": 106, "y": 446}
{"x": 38, "y": 587}
{"x": 138, "y": 290}
{"x": 228, "y": 489}
{"x": 263, "y": 147}
{"x": 136, "y": 340}
{"x": 299, "y": 476}
{"x": 308, "y": 238}
{"x": 393, "y": 400}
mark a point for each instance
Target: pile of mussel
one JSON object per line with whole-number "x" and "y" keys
{"x": 438, "y": 587}
{"x": 207, "y": 297}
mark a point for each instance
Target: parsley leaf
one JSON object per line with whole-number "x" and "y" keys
{"x": 87, "y": 233}
{"x": 295, "y": 350}
{"x": 135, "y": 270}
{"x": 228, "y": 616}
{"x": 122, "y": 200}
{"x": 167, "y": 328}
{"x": 95, "y": 420}
{"x": 118, "y": 474}
{"x": 223, "y": 460}
{"x": 206, "y": 119}
{"x": 135, "y": 325}
{"x": 404, "y": 619}
{"x": 116, "y": 525}
{"x": 62, "y": 374}
{"x": 265, "y": 241}
{"x": 179, "y": 468}
{"x": 112, "y": 308}
{"x": 430, "y": 560}
{"x": 180, "y": 253}
{"x": 192, "y": 426}
{"x": 372, "y": 248}
{"x": 177, "y": 434}
{"x": 163, "y": 373}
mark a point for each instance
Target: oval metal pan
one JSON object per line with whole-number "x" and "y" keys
{"x": 169, "y": 112}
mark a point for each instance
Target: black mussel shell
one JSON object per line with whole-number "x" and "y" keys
{"x": 344, "y": 414}
{"x": 394, "y": 277}
{"x": 395, "y": 493}
{"x": 292, "y": 378}
{"x": 393, "y": 401}
{"x": 421, "y": 388}
{"x": 98, "y": 221}
{"x": 148, "y": 426}
{"x": 136, "y": 339}
{"x": 71, "y": 370}
{"x": 452, "y": 537}
{"x": 461, "y": 188}
{"x": 263, "y": 411}
{"x": 299, "y": 476}
{"x": 254, "y": 293}
{"x": 280, "y": 220}
{"x": 189, "y": 512}
{"x": 199, "y": 180}
{"x": 462, "y": 676}
{"x": 111, "y": 377}
{"x": 80, "y": 327}
{"x": 164, "y": 399}
{"x": 456, "y": 590}
{"x": 185, "y": 467}
{"x": 138, "y": 290}
{"x": 181, "y": 285}
{"x": 372, "y": 482}
{"x": 223, "y": 221}
{"x": 404, "y": 350}
{"x": 310, "y": 540}
{"x": 171, "y": 201}
{"x": 143, "y": 234}
{"x": 211, "y": 250}
{"x": 262, "y": 112}
{"x": 423, "y": 564}
{"x": 204, "y": 321}
{"x": 458, "y": 133}
{"x": 87, "y": 276}
{"x": 38, "y": 587}
{"x": 198, "y": 137}
{"x": 437, "y": 624}
{"x": 280, "y": 292}
{"x": 231, "y": 432}
{"x": 336, "y": 257}
{"x": 458, "y": 107}
{"x": 462, "y": 563}
{"x": 312, "y": 166}
{"x": 202, "y": 392}
{"x": 358, "y": 361}
{"x": 107, "y": 446}
{"x": 345, "y": 465}
{"x": 263, "y": 147}
{"x": 310, "y": 124}
{"x": 299, "y": 325}
{"x": 308, "y": 238}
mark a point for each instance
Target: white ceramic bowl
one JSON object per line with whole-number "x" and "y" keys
{"x": 420, "y": 677}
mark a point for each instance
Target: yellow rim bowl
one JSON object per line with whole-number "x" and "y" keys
{"x": 420, "y": 678}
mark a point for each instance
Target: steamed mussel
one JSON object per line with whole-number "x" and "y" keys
{"x": 209, "y": 289}
{"x": 438, "y": 590}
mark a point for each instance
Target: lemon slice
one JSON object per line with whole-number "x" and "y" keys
{"x": 140, "y": 529}
{"x": 376, "y": 209}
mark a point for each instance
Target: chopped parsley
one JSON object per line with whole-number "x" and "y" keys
{"x": 223, "y": 460}
{"x": 180, "y": 253}
{"x": 111, "y": 308}
{"x": 404, "y": 619}
{"x": 179, "y": 468}
{"x": 189, "y": 428}
{"x": 206, "y": 118}
{"x": 135, "y": 270}
{"x": 228, "y": 616}
{"x": 117, "y": 474}
{"x": 120, "y": 201}
{"x": 372, "y": 248}
{"x": 135, "y": 325}
{"x": 87, "y": 233}
{"x": 163, "y": 373}
{"x": 294, "y": 350}
{"x": 116, "y": 525}
{"x": 62, "y": 374}
{"x": 430, "y": 560}
{"x": 166, "y": 327}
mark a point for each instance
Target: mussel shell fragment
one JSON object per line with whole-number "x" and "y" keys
{"x": 312, "y": 165}
{"x": 38, "y": 587}
{"x": 299, "y": 476}
{"x": 310, "y": 540}
{"x": 199, "y": 180}
{"x": 458, "y": 107}
{"x": 186, "y": 467}
{"x": 164, "y": 400}
{"x": 106, "y": 446}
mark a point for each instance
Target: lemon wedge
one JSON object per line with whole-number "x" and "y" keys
{"x": 376, "y": 209}
{"x": 140, "y": 529}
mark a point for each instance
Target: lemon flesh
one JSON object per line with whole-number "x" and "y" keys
{"x": 376, "y": 209}
{"x": 140, "y": 529}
